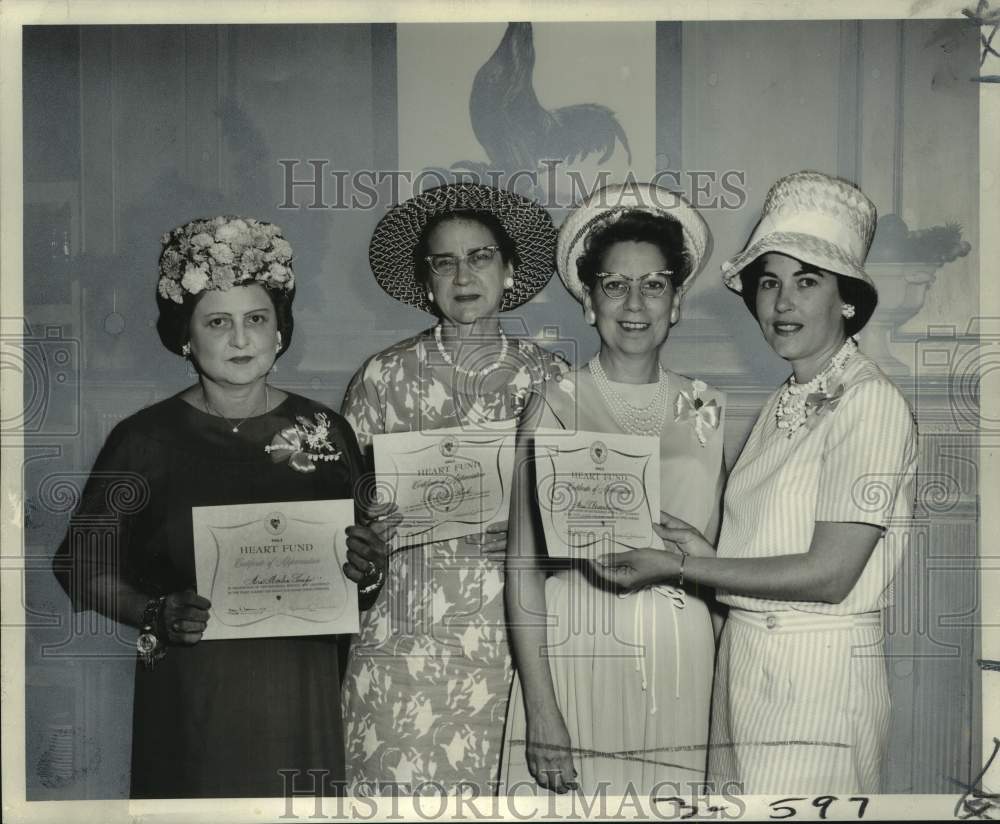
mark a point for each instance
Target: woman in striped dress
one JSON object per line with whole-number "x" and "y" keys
{"x": 812, "y": 516}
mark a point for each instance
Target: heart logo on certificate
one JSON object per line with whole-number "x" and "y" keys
{"x": 275, "y": 523}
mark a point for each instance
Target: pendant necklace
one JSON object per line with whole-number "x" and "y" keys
{"x": 235, "y": 426}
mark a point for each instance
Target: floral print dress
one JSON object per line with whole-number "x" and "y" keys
{"x": 428, "y": 677}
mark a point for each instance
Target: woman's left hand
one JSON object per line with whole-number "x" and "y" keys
{"x": 684, "y": 536}
{"x": 639, "y": 568}
{"x": 366, "y": 549}
{"x": 493, "y": 540}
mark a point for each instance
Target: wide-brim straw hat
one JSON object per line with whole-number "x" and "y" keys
{"x": 390, "y": 252}
{"x": 608, "y": 205}
{"x": 818, "y": 219}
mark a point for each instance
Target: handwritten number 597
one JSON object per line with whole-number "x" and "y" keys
{"x": 784, "y": 807}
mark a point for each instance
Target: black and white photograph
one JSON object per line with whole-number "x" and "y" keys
{"x": 426, "y": 411}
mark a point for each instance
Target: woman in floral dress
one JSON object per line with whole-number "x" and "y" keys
{"x": 427, "y": 681}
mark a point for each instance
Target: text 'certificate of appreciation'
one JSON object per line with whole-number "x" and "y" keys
{"x": 597, "y": 491}
{"x": 446, "y": 482}
{"x": 275, "y": 569}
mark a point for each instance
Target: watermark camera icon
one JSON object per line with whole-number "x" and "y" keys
{"x": 48, "y": 364}
{"x": 953, "y": 363}
{"x": 490, "y": 381}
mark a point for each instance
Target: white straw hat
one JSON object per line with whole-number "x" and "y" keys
{"x": 824, "y": 221}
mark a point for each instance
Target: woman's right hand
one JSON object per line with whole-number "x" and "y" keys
{"x": 185, "y": 615}
{"x": 547, "y": 751}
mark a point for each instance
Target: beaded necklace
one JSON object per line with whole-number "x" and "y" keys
{"x": 472, "y": 373}
{"x": 646, "y": 420}
{"x": 791, "y": 410}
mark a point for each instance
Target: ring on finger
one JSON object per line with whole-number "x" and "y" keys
{"x": 176, "y": 626}
{"x": 370, "y": 569}
{"x": 376, "y": 584}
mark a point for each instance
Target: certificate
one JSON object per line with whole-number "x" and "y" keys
{"x": 275, "y": 569}
{"x": 446, "y": 482}
{"x": 597, "y": 491}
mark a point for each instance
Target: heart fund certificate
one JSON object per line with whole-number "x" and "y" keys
{"x": 446, "y": 482}
{"x": 597, "y": 491}
{"x": 275, "y": 569}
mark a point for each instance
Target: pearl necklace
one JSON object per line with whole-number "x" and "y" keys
{"x": 646, "y": 420}
{"x": 236, "y": 426}
{"x": 791, "y": 409}
{"x": 472, "y": 373}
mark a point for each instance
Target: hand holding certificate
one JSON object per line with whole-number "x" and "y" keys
{"x": 598, "y": 492}
{"x": 275, "y": 569}
{"x": 447, "y": 482}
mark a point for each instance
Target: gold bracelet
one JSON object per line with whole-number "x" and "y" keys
{"x": 680, "y": 577}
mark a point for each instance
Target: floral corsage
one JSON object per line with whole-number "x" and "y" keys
{"x": 304, "y": 444}
{"x": 820, "y": 403}
{"x": 692, "y": 407}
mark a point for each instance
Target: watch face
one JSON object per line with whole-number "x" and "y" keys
{"x": 145, "y": 643}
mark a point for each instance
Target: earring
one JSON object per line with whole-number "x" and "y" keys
{"x": 277, "y": 347}
{"x": 508, "y": 283}
{"x": 430, "y": 296}
{"x": 186, "y": 350}
{"x": 847, "y": 310}
{"x": 590, "y": 316}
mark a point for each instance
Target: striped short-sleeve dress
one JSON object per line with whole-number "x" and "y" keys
{"x": 801, "y": 701}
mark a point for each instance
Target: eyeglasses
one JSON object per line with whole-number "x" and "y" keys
{"x": 446, "y": 266}
{"x": 651, "y": 285}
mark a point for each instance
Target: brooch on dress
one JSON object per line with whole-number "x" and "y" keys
{"x": 819, "y": 403}
{"x": 304, "y": 444}
{"x": 692, "y": 407}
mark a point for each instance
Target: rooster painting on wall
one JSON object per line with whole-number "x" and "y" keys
{"x": 517, "y": 132}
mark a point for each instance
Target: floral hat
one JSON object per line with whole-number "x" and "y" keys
{"x": 222, "y": 252}
{"x": 390, "y": 252}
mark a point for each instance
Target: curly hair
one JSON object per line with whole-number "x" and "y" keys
{"x": 664, "y": 233}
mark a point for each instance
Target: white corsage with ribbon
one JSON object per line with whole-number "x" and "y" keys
{"x": 305, "y": 444}
{"x": 704, "y": 416}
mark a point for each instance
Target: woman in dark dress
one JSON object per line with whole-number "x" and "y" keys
{"x": 220, "y": 718}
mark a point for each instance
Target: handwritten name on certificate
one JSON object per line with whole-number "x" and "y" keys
{"x": 446, "y": 482}
{"x": 275, "y": 569}
{"x": 597, "y": 491}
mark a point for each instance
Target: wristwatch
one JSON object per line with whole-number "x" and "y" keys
{"x": 150, "y": 648}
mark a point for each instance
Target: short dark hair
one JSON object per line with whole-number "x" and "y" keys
{"x": 488, "y": 220}
{"x": 174, "y": 322}
{"x": 859, "y": 294}
{"x": 665, "y": 233}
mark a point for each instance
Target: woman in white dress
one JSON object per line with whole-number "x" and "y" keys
{"x": 612, "y": 689}
{"x": 813, "y": 516}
